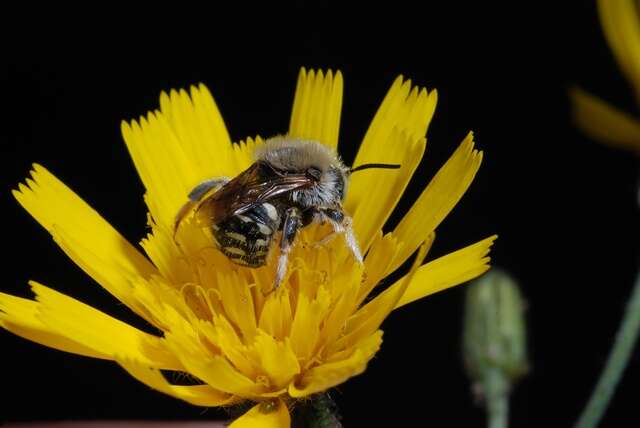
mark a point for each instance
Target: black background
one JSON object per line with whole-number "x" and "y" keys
{"x": 563, "y": 205}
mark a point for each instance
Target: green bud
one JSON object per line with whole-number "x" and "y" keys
{"x": 494, "y": 338}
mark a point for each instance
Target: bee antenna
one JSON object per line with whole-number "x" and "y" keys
{"x": 375, "y": 165}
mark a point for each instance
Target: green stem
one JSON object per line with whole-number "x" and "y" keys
{"x": 318, "y": 412}
{"x": 497, "y": 398}
{"x": 616, "y": 363}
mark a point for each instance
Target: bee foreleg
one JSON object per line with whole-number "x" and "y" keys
{"x": 343, "y": 224}
{"x": 350, "y": 237}
{"x": 291, "y": 225}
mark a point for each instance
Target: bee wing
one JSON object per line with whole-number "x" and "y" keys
{"x": 253, "y": 187}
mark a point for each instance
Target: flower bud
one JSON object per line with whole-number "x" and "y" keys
{"x": 494, "y": 337}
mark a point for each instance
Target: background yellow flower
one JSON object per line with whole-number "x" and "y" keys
{"x": 620, "y": 20}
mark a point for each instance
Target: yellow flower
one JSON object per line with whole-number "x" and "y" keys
{"x": 621, "y": 25}
{"x": 221, "y": 322}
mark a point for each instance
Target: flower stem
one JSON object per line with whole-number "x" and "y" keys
{"x": 497, "y": 398}
{"x": 616, "y": 363}
{"x": 319, "y": 412}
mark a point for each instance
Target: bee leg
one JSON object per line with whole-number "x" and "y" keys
{"x": 291, "y": 225}
{"x": 195, "y": 196}
{"x": 324, "y": 241}
{"x": 203, "y": 188}
{"x": 342, "y": 224}
{"x": 318, "y": 216}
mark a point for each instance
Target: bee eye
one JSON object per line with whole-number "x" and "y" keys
{"x": 314, "y": 173}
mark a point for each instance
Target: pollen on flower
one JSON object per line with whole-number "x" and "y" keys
{"x": 223, "y": 323}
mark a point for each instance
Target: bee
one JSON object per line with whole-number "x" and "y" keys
{"x": 292, "y": 183}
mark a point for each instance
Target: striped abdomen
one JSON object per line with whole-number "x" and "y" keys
{"x": 246, "y": 238}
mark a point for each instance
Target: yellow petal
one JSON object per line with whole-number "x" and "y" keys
{"x": 276, "y": 314}
{"x": 604, "y": 122}
{"x": 403, "y": 109}
{"x": 67, "y": 317}
{"x": 166, "y": 172}
{"x": 305, "y": 329}
{"x": 370, "y": 213}
{"x": 198, "y": 395}
{"x": 396, "y": 135}
{"x": 213, "y": 369}
{"x": 328, "y": 375}
{"x": 317, "y": 106}
{"x": 438, "y": 199}
{"x": 378, "y": 263}
{"x": 621, "y": 26}
{"x": 276, "y": 359}
{"x": 20, "y": 316}
{"x": 265, "y": 415}
{"x": 198, "y": 126}
{"x": 237, "y": 300}
{"x": 179, "y": 147}
{"x": 243, "y": 154}
{"x": 85, "y": 236}
{"x": 343, "y": 308}
{"x": 218, "y": 372}
{"x": 103, "y": 271}
{"x": 224, "y": 336}
{"x": 369, "y": 317}
{"x": 168, "y": 258}
{"x": 453, "y": 269}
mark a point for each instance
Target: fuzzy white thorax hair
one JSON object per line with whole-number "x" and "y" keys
{"x": 294, "y": 154}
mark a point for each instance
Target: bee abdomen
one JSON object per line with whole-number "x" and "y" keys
{"x": 265, "y": 214}
{"x": 243, "y": 250}
{"x": 246, "y": 238}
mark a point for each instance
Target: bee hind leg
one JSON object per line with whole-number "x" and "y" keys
{"x": 203, "y": 188}
{"x": 195, "y": 197}
{"x": 291, "y": 225}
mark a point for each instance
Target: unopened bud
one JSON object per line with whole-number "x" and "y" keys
{"x": 494, "y": 338}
